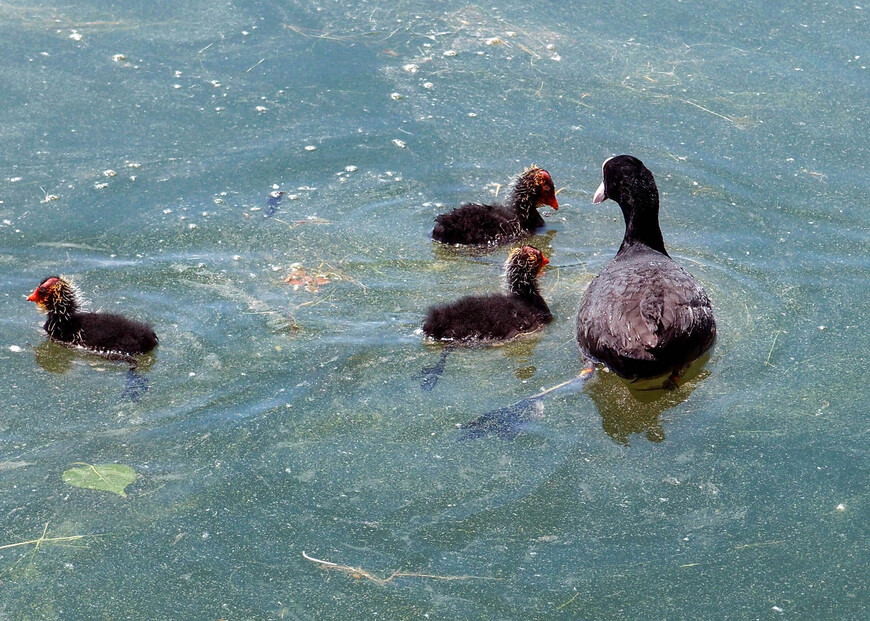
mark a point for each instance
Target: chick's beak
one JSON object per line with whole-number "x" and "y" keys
{"x": 552, "y": 202}
{"x": 544, "y": 260}
{"x": 33, "y": 297}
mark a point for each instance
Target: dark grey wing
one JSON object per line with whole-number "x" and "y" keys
{"x": 677, "y": 313}
{"x": 609, "y": 322}
{"x": 650, "y": 310}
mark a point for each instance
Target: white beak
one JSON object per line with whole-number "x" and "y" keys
{"x": 599, "y": 194}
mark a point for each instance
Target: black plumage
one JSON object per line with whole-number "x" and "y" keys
{"x": 106, "y": 334}
{"x": 499, "y": 316}
{"x": 475, "y": 223}
{"x": 643, "y": 315}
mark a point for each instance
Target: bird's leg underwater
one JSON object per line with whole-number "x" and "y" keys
{"x": 135, "y": 386}
{"x": 432, "y": 374}
{"x": 508, "y": 421}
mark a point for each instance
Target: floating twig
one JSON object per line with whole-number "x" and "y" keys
{"x": 358, "y": 573}
{"x": 576, "y": 595}
{"x": 296, "y": 223}
{"x": 759, "y": 544}
{"x": 700, "y": 107}
{"x": 43, "y": 539}
{"x": 770, "y": 353}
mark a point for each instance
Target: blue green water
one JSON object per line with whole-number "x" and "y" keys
{"x": 281, "y": 420}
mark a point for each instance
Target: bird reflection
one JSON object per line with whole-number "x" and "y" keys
{"x": 446, "y": 252}
{"x": 58, "y": 360}
{"x": 520, "y": 350}
{"x": 54, "y": 358}
{"x": 628, "y": 408}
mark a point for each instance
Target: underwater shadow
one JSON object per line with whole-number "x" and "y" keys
{"x": 519, "y": 350}
{"x": 58, "y": 359}
{"x": 629, "y": 408}
{"x": 542, "y": 241}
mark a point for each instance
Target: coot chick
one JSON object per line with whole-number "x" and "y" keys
{"x": 108, "y": 335}
{"x": 643, "y": 315}
{"x": 474, "y": 223}
{"x": 499, "y": 316}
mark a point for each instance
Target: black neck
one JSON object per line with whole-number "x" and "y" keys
{"x": 642, "y": 221}
{"x": 61, "y": 307}
{"x": 523, "y": 201}
{"x": 522, "y": 283}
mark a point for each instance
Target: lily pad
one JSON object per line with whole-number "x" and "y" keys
{"x": 105, "y": 477}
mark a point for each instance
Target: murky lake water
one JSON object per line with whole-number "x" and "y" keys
{"x": 281, "y": 419}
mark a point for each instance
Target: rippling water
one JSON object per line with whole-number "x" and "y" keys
{"x": 140, "y": 146}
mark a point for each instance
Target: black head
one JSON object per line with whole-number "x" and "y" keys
{"x": 625, "y": 179}
{"x": 628, "y": 182}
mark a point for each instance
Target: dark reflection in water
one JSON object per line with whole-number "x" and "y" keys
{"x": 54, "y": 358}
{"x": 625, "y": 410}
{"x": 543, "y": 242}
{"x": 628, "y": 408}
{"x": 625, "y": 407}
{"x": 521, "y": 350}
{"x": 58, "y": 360}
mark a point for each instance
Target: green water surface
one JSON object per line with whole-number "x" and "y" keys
{"x": 140, "y": 142}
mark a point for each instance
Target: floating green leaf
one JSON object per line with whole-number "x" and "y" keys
{"x": 104, "y": 477}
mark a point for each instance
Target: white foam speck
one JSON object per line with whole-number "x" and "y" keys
{"x": 399, "y": 143}
{"x": 15, "y": 349}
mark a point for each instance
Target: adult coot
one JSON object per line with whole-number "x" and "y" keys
{"x": 474, "y": 223}
{"x": 644, "y": 315}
